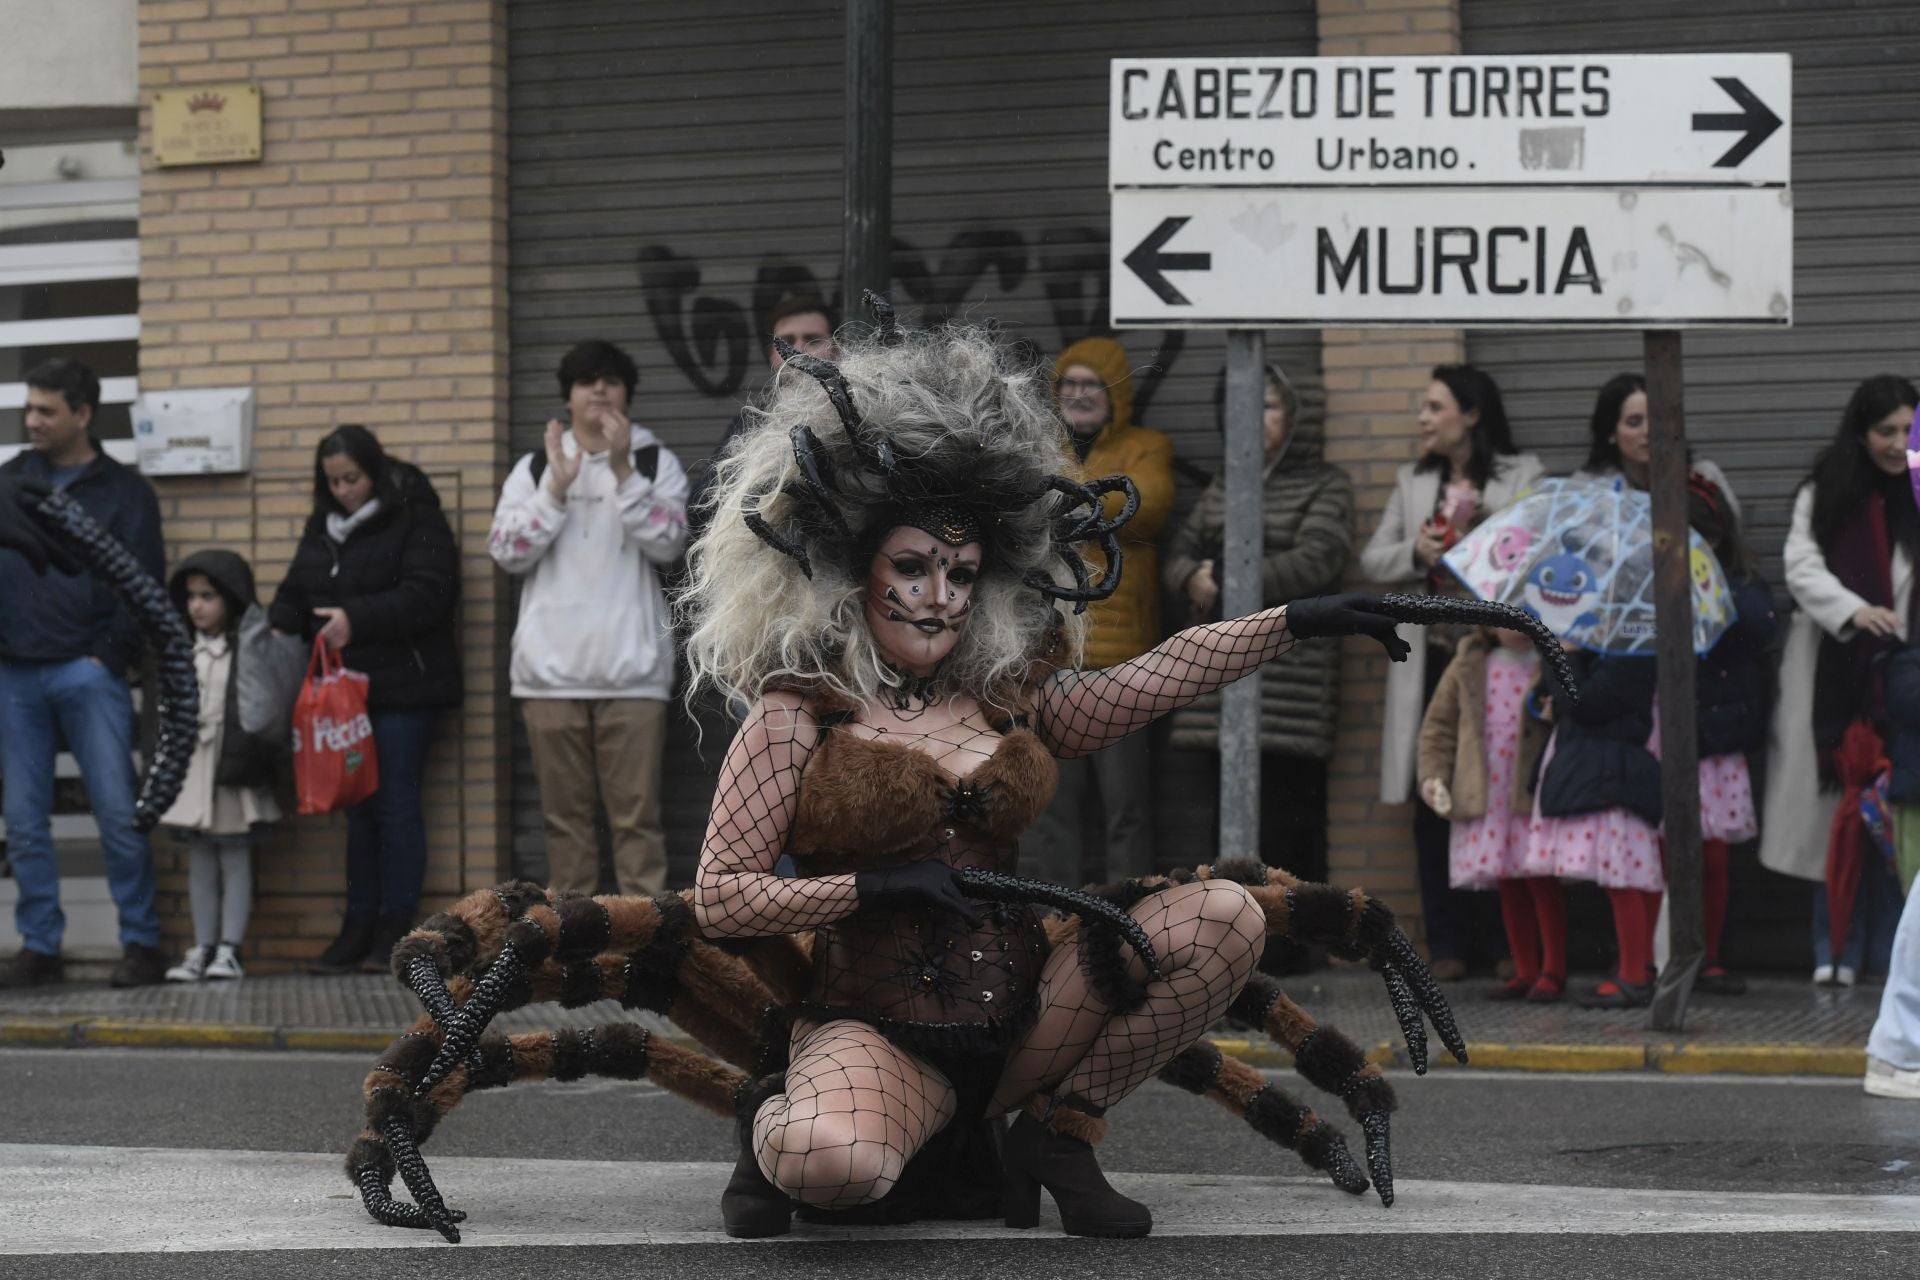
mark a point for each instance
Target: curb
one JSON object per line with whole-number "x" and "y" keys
{"x": 1671, "y": 1057}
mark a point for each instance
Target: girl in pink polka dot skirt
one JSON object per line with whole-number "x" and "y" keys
{"x": 1731, "y": 688}
{"x": 1598, "y": 806}
{"x": 1478, "y": 751}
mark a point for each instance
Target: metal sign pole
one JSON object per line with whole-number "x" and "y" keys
{"x": 866, "y": 252}
{"x": 1240, "y": 550}
{"x": 1673, "y": 615}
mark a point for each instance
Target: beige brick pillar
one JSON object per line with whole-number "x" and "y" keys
{"x": 358, "y": 273}
{"x": 1374, "y": 379}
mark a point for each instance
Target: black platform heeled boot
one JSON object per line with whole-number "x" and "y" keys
{"x": 751, "y": 1207}
{"x": 1051, "y": 1145}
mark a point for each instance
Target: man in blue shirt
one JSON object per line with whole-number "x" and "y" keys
{"x": 66, "y": 645}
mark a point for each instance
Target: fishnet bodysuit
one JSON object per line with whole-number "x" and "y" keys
{"x": 869, "y": 1077}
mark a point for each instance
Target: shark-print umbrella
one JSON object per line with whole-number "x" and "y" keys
{"x": 1578, "y": 555}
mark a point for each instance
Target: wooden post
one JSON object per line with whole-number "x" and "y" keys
{"x": 866, "y": 260}
{"x": 1673, "y": 615}
{"x": 1242, "y": 466}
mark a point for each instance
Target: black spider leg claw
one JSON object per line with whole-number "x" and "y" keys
{"x": 424, "y": 980}
{"x": 1406, "y": 1011}
{"x": 751, "y": 517}
{"x": 998, "y": 887}
{"x": 883, "y": 316}
{"x": 378, "y": 1198}
{"x": 1341, "y": 1169}
{"x": 1424, "y": 610}
{"x": 816, "y": 472}
{"x": 1379, "y": 1154}
{"x": 462, "y": 1031}
{"x": 828, "y": 375}
{"x": 413, "y": 1172}
{"x": 1427, "y": 992}
{"x": 164, "y": 628}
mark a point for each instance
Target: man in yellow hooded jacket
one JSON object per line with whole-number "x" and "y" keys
{"x": 1093, "y": 381}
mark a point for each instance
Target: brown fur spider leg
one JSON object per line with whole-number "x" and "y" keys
{"x": 1202, "y": 1068}
{"x": 526, "y": 945}
{"x": 1329, "y": 1061}
{"x": 397, "y": 1122}
{"x": 1357, "y": 926}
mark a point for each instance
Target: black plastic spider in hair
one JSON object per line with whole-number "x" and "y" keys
{"x": 1084, "y": 521}
{"x": 1426, "y": 610}
{"x": 814, "y": 500}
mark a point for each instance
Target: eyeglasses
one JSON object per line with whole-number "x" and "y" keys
{"x": 1075, "y": 386}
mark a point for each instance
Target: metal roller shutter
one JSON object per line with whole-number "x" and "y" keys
{"x": 1759, "y": 404}
{"x": 675, "y": 169}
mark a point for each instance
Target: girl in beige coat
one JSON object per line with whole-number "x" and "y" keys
{"x": 1479, "y": 749}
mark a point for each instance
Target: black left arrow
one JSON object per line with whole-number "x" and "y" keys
{"x": 1148, "y": 262}
{"x": 1755, "y": 120}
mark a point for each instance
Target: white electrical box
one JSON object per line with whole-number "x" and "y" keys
{"x": 182, "y": 433}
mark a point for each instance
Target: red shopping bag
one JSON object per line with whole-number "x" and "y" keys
{"x": 333, "y": 759}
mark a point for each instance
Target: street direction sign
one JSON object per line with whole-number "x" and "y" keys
{"x": 1637, "y": 120}
{"x": 1563, "y": 257}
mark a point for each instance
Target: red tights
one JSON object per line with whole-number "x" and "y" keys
{"x": 1535, "y": 912}
{"x": 1634, "y": 914}
{"x": 1713, "y": 890}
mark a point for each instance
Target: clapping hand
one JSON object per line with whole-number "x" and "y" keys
{"x": 562, "y": 467}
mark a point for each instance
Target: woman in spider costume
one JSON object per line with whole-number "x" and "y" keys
{"x": 885, "y": 580}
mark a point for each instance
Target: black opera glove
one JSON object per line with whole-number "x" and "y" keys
{"x": 926, "y": 885}
{"x": 1352, "y": 613}
{"x": 22, "y": 531}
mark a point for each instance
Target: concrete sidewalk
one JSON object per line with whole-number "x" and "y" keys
{"x": 1781, "y": 1026}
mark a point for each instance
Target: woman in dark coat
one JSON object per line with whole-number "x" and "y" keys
{"x": 377, "y": 575}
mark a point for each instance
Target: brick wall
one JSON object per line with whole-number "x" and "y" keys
{"x": 357, "y": 274}
{"x": 1374, "y": 379}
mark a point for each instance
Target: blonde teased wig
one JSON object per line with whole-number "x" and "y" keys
{"x": 957, "y": 422}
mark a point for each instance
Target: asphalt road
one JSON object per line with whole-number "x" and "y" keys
{"x": 1499, "y": 1175}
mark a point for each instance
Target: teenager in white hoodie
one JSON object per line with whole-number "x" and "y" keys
{"x": 589, "y": 524}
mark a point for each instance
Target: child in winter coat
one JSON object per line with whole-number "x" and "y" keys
{"x": 1597, "y": 809}
{"x": 225, "y": 794}
{"x": 1478, "y": 752}
{"x": 1731, "y": 687}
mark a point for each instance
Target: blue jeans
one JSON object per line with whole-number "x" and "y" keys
{"x": 93, "y": 709}
{"x": 1868, "y": 948}
{"x": 1896, "y": 1033}
{"x": 386, "y": 834}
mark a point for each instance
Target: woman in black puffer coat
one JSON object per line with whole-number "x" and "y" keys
{"x": 377, "y": 574}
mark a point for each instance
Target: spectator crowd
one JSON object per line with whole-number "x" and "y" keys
{"x": 1514, "y": 789}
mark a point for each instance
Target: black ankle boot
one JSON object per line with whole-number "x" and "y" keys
{"x": 388, "y": 929}
{"x": 751, "y": 1207}
{"x": 344, "y": 953}
{"x": 1051, "y": 1145}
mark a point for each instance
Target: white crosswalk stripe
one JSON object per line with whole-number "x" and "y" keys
{"x": 102, "y": 1200}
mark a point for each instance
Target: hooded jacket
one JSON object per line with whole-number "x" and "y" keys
{"x": 398, "y": 578}
{"x": 593, "y": 619}
{"x": 1306, "y": 510}
{"x": 1600, "y": 757}
{"x": 60, "y": 617}
{"x": 246, "y": 759}
{"x": 1127, "y": 623}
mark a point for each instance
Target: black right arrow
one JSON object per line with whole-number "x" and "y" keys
{"x": 1148, "y": 262}
{"x": 1755, "y": 120}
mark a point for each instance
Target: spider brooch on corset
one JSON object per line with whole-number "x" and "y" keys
{"x": 926, "y": 971}
{"x": 967, "y": 802}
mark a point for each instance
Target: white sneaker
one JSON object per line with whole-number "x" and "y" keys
{"x": 1822, "y": 975}
{"x": 1884, "y": 1080}
{"x": 1845, "y": 976}
{"x": 192, "y": 966}
{"x": 226, "y": 963}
